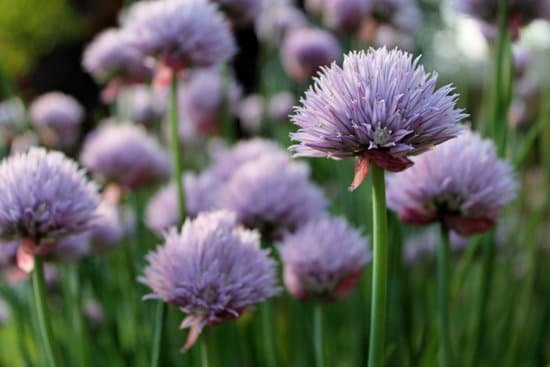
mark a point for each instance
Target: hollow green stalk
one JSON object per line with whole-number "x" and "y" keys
{"x": 42, "y": 312}
{"x": 318, "y": 335}
{"x": 380, "y": 269}
{"x": 204, "y": 352}
{"x": 445, "y": 349}
{"x": 267, "y": 331}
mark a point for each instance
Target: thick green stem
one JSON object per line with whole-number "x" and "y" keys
{"x": 445, "y": 350}
{"x": 157, "y": 333}
{"x": 380, "y": 268}
{"x": 204, "y": 352}
{"x": 44, "y": 323}
{"x": 75, "y": 301}
{"x": 318, "y": 335}
{"x": 267, "y": 331}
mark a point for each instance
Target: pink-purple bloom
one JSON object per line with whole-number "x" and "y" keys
{"x": 125, "y": 154}
{"x": 146, "y": 106}
{"x": 461, "y": 183}
{"x": 305, "y": 50}
{"x": 181, "y": 33}
{"x": 380, "y": 107}
{"x": 277, "y": 19}
{"x": 324, "y": 259}
{"x": 424, "y": 246}
{"x": 57, "y": 117}
{"x": 241, "y": 11}
{"x": 44, "y": 196}
{"x": 107, "y": 228}
{"x": 213, "y": 270}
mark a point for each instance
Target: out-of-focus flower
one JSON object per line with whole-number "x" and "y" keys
{"x": 125, "y": 154}
{"x": 277, "y": 19}
{"x": 323, "y": 259}
{"x": 112, "y": 57}
{"x": 107, "y": 228}
{"x": 251, "y": 112}
{"x": 57, "y": 117}
{"x": 23, "y": 142}
{"x": 213, "y": 270}
{"x": 390, "y": 20}
{"x": 4, "y": 312}
{"x": 461, "y": 183}
{"x": 68, "y": 249}
{"x": 94, "y": 313}
{"x": 181, "y": 33}
{"x": 241, "y": 11}
{"x": 204, "y": 97}
{"x": 424, "y": 246}
{"x": 44, "y": 196}
{"x": 145, "y": 105}
{"x": 520, "y": 12}
{"x": 280, "y": 106}
{"x": 8, "y": 250}
{"x": 522, "y": 59}
{"x": 391, "y": 37}
{"x": 292, "y": 198}
{"x": 380, "y": 107}
{"x": 305, "y": 50}
{"x": 340, "y": 15}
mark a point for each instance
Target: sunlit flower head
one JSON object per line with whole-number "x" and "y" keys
{"x": 125, "y": 154}
{"x": 181, "y": 33}
{"x": 324, "y": 259}
{"x": 380, "y": 107}
{"x": 213, "y": 270}
{"x": 461, "y": 183}
{"x": 57, "y": 117}
{"x": 44, "y": 196}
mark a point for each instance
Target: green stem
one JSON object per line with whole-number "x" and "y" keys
{"x": 157, "y": 333}
{"x": 267, "y": 330}
{"x": 204, "y": 352}
{"x": 318, "y": 335}
{"x": 77, "y": 318}
{"x": 380, "y": 269}
{"x": 445, "y": 352}
{"x": 177, "y": 164}
{"x": 39, "y": 293}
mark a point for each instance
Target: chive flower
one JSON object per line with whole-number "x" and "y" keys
{"x": 380, "y": 107}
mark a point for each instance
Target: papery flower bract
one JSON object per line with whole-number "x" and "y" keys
{"x": 420, "y": 247}
{"x": 113, "y": 56}
{"x": 461, "y": 183}
{"x": 305, "y": 50}
{"x": 181, "y": 33}
{"x": 380, "y": 106}
{"x": 125, "y": 154}
{"x": 44, "y": 196}
{"x": 57, "y": 117}
{"x": 273, "y": 194}
{"x": 324, "y": 259}
{"x": 213, "y": 270}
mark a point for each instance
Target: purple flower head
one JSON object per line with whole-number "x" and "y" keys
{"x": 274, "y": 194}
{"x": 380, "y": 107}
{"x": 305, "y": 50}
{"x": 461, "y": 183}
{"x": 324, "y": 259}
{"x": 203, "y": 96}
{"x": 344, "y": 15}
{"x": 251, "y": 112}
{"x": 8, "y": 250}
{"x": 107, "y": 228}
{"x": 57, "y": 117}
{"x": 5, "y": 312}
{"x": 424, "y": 246}
{"x": 44, "y": 196}
{"x": 181, "y": 33}
{"x": 125, "y": 154}
{"x": 146, "y": 106}
{"x": 280, "y": 106}
{"x": 112, "y": 55}
{"x": 213, "y": 270}
{"x": 241, "y": 11}
{"x": 522, "y": 59}
{"x": 200, "y": 192}
{"x": 68, "y": 249}
{"x": 277, "y": 20}
{"x": 520, "y": 12}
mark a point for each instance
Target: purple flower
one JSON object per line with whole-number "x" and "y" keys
{"x": 324, "y": 259}
{"x": 241, "y": 11}
{"x": 146, "y": 106}
{"x": 213, "y": 270}
{"x": 112, "y": 55}
{"x": 274, "y": 194}
{"x": 68, "y": 249}
{"x": 520, "y": 12}
{"x": 401, "y": 14}
{"x": 305, "y": 50}
{"x": 344, "y": 15}
{"x": 107, "y": 228}
{"x": 380, "y": 107}
{"x": 181, "y": 33}
{"x": 280, "y": 106}
{"x": 4, "y": 312}
{"x": 277, "y": 20}
{"x": 251, "y": 112}
{"x": 57, "y": 117}
{"x": 420, "y": 247}
{"x": 461, "y": 183}
{"x": 8, "y": 250}
{"x": 44, "y": 196}
{"x": 125, "y": 154}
